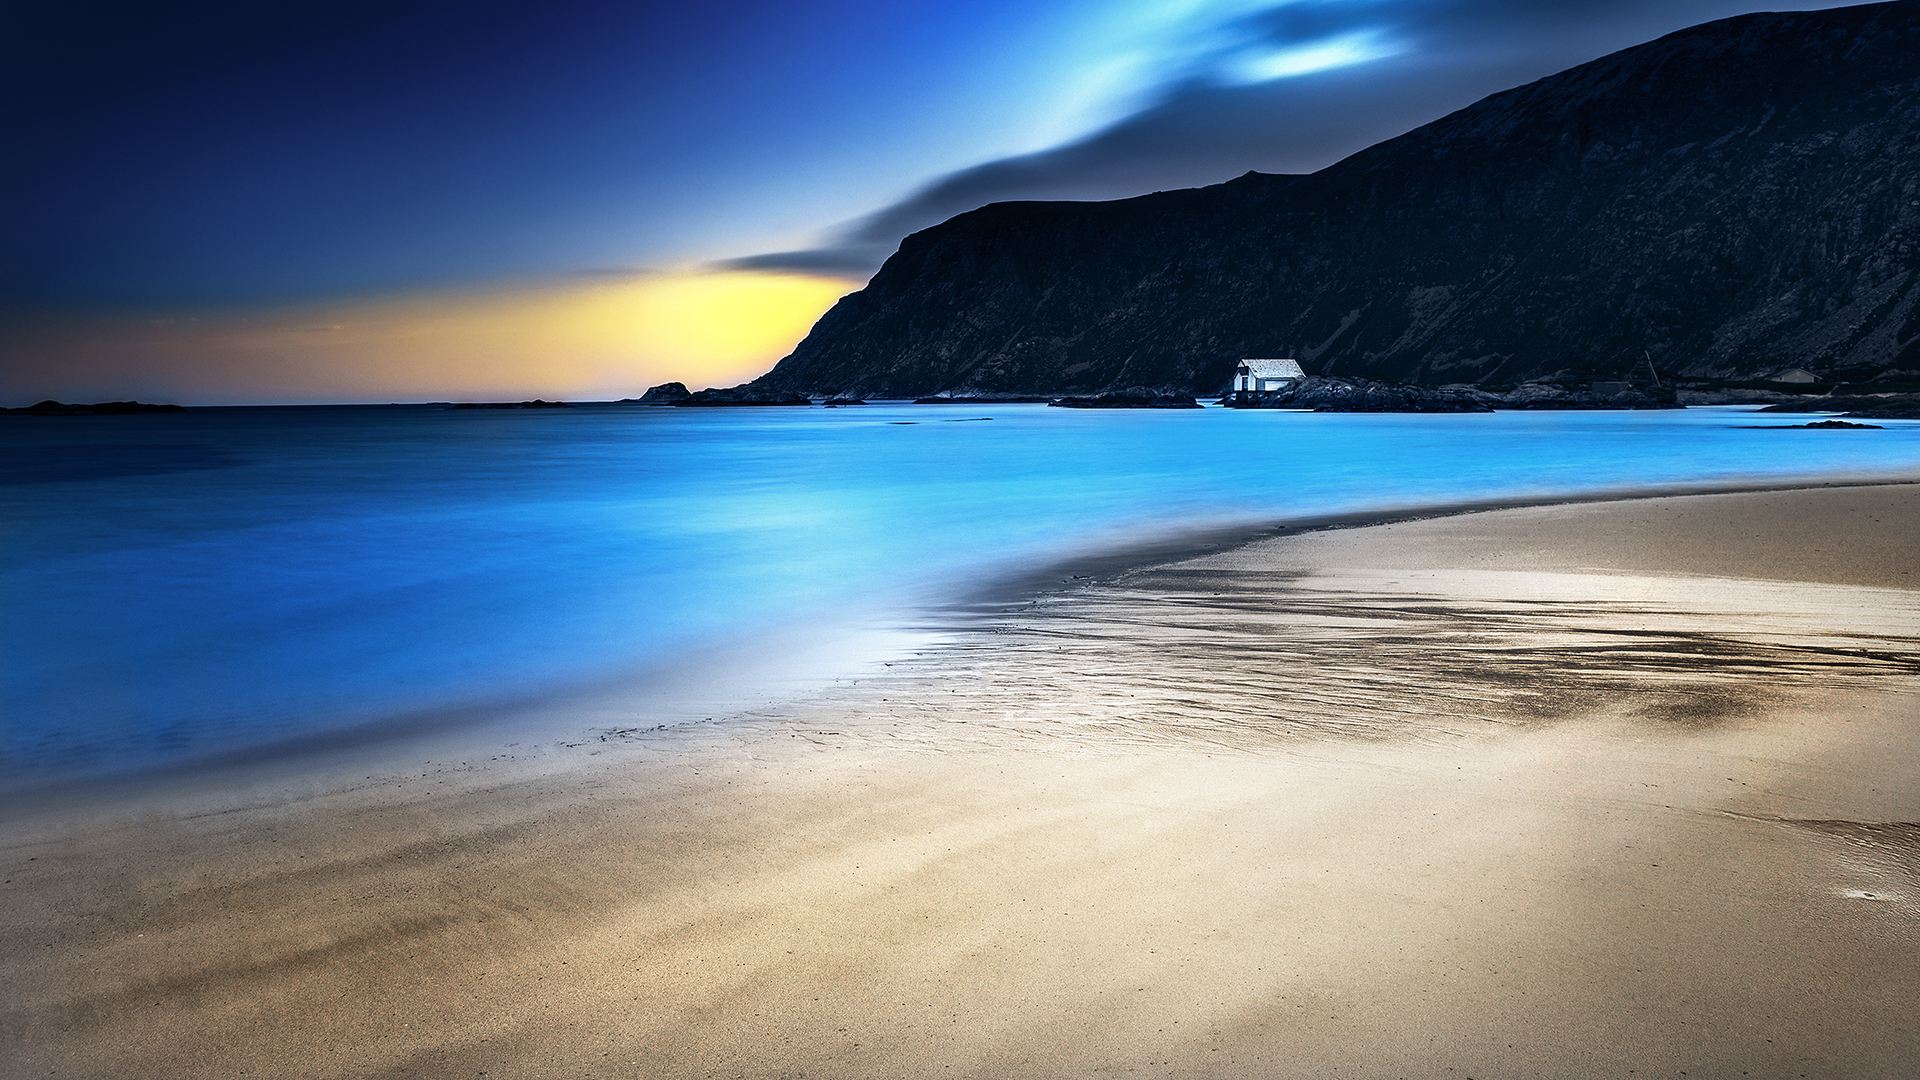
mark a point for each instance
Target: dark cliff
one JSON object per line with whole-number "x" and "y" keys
{"x": 1732, "y": 199}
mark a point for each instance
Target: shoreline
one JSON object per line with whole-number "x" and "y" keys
{"x": 1124, "y": 557}
{"x": 439, "y": 729}
{"x": 450, "y": 729}
{"x": 1511, "y": 793}
{"x": 264, "y": 656}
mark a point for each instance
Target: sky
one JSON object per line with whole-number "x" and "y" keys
{"x": 229, "y": 201}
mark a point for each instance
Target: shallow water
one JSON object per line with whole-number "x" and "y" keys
{"x": 180, "y": 585}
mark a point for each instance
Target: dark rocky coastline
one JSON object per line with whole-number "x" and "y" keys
{"x": 102, "y": 408}
{"x": 1857, "y": 406}
{"x": 1132, "y": 398}
{"x": 1357, "y": 395}
{"x": 987, "y": 399}
{"x": 748, "y": 394}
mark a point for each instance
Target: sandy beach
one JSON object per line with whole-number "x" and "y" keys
{"x": 1601, "y": 789}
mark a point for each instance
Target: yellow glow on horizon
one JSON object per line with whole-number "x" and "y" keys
{"x": 603, "y": 339}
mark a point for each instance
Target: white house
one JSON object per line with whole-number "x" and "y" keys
{"x": 1796, "y": 375}
{"x": 1266, "y": 374}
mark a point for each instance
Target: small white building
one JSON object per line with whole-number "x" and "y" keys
{"x": 1796, "y": 375}
{"x": 1266, "y": 374}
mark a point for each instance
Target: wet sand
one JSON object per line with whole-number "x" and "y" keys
{"x": 1613, "y": 789}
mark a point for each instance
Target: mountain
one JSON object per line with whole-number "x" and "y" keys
{"x": 1729, "y": 201}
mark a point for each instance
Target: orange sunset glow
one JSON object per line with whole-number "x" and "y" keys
{"x": 598, "y": 340}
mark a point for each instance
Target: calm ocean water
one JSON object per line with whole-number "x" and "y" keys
{"x": 175, "y": 586}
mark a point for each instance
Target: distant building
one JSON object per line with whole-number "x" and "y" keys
{"x": 1796, "y": 375}
{"x": 1267, "y": 374}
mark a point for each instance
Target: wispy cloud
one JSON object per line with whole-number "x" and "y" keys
{"x": 1266, "y": 64}
{"x": 1276, "y": 87}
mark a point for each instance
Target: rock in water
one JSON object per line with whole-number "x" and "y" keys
{"x": 1729, "y": 200}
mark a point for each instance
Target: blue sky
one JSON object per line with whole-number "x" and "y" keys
{"x": 189, "y": 157}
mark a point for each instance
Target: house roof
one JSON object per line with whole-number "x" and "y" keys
{"x": 1274, "y": 369}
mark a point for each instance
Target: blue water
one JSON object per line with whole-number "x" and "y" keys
{"x": 174, "y": 586}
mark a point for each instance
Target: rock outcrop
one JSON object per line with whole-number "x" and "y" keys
{"x": 985, "y": 399}
{"x": 1727, "y": 201}
{"x": 1135, "y": 397}
{"x": 1360, "y": 395}
{"x": 669, "y": 393}
{"x": 749, "y": 394}
{"x": 1860, "y": 406}
{"x": 51, "y": 407}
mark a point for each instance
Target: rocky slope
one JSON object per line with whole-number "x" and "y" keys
{"x": 1730, "y": 200}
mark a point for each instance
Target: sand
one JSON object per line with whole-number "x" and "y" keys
{"x": 1612, "y": 789}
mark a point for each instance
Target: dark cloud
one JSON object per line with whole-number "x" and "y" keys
{"x": 1202, "y": 128}
{"x": 852, "y": 258}
{"x": 1197, "y": 135}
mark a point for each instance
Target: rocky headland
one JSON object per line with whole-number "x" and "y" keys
{"x": 1726, "y": 203}
{"x": 665, "y": 394}
{"x": 102, "y": 408}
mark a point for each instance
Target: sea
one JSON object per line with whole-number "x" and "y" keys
{"x": 178, "y": 588}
